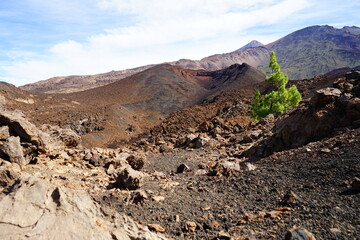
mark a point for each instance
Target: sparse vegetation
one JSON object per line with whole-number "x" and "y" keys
{"x": 275, "y": 102}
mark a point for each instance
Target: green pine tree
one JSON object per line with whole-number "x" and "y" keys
{"x": 275, "y": 102}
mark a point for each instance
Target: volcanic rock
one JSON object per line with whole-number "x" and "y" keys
{"x": 136, "y": 162}
{"x": 183, "y": 168}
{"x": 297, "y": 233}
{"x": 51, "y": 210}
{"x": 128, "y": 178}
{"x": 190, "y": 226}
{"x": 7, "y": 176}
{"x": 156, "y": 228}
{"x": 291, "y": 198}
{"x": 325, "y": 96}
{"x": 23, "y": 128}
{"x": 355, "y": 184}
{"x": 13, "y": 150}
{"x": 4, "y": 132}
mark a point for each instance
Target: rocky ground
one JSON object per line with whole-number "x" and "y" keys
{"x": 242, "y": 203}
{"x": 218, "y": 176}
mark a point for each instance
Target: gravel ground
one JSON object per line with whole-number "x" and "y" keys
{"x": 248, "y": 204}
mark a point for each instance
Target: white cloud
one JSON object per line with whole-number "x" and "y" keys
{"x": 163, "y": 31}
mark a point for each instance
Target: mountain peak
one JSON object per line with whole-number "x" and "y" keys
{"x": 252, "y": 44}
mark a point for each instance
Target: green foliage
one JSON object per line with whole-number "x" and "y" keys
{"x": 275, "y": 102}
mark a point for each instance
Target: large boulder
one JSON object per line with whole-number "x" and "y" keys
{"x": 13, "y": 151}
{"x": 36, "y": 209}
{"x": 67, "y": 136}
{"x": 23, "y": 128}
{"x": 128, "y": 178}
{"x": 325, "y": 96}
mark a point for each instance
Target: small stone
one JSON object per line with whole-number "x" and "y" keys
{"x": 201, "y": 172}
{"x": 95, "y": 160}
{"x": 248, "y": 166}
{"x": 4, "y": 132}
{"x": 190, "y": 226}
{"x": 128, "y": 178}
{"x": 136, "y": 162}
{"x": 325, "y": 150}
{"x": 177, "y": 218}
{"x": 348, "y": 87}
{"x": 291, "y": 198}
{"x": 335, "y": 230}
{"x": 201, "y": 142}
{"x": 156, "y": 228}
{"x": 158, "y": 198}
{"x": 138, "y": 196}
{"x": 183, "y": 168}
{"x": 7, "y": 176}
{"x": 355, "y": 184}
{"x": 224, "y": 236}
{"x": 189, "y": 139}
{"x": 87, "y": 156}
{"x": 110, "y": 170}
{"x": 296, "y": 233}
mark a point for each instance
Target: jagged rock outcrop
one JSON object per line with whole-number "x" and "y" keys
{"x": 328, "y": 110}
{"x": 22, "y": 142}
{"x": 36, "y": 209}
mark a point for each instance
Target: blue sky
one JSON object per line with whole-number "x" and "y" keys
{"x": 42, "y": 39}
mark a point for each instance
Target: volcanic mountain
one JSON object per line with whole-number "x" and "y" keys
{"x": 307, "y": 52}
{"x": 129, "y": 106}
{"x": 317, "y": 50}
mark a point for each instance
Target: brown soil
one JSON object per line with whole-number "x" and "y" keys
{"x": 132, "y": 105}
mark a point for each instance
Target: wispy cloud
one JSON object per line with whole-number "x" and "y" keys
{"x": 102, "y": 35}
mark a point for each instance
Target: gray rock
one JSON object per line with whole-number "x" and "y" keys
{"x": 23, "y": 128}
{"x": 136, "y": 162}
{"x": 189, "y": 139}
{"x": 352, "y": 75}
{"x": 13, "y": 151}
{"x": 297, "y": 233}
{"x": 183, "y": 168}
{"x": 201, "y": 142}
{"x": 290, "y": 198}
{"x": 325, "y": 96}
{"x": 348, "y": 87}
{"x": 67, "y": 136}
{"x": 111, "y": 169}
{"x": 128, "y": 178}
{"x": 4, "y": 132}
{"x": 7, "y": 176}
{"x": 54, "y": 212}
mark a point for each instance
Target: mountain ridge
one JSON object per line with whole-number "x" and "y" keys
{"x": 307, "y": 52}
{"x": 128, "y": 107}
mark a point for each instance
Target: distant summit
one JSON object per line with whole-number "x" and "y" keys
{"x": 317, "y": 50}
{"x": 305, "y": 53}
{"x": 252, "y": 44}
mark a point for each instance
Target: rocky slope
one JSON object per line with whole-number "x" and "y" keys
{"x": 303, "y": 54}
{"x": 128, "y": 107}
{"x": 317, "y": 50}
{"x": 211, "y": 175}
{"x": 47, "y": 182}
{"x": 220, "y": 180}
{"x": 69, "y": 84}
